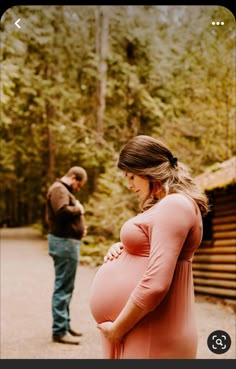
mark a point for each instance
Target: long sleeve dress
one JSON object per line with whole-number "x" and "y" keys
{"x": 155, "y": 272}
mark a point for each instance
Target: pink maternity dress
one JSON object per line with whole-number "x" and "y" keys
{"x": 155, "y": 272}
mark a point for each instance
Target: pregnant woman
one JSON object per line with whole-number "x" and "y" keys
{"x": 142, "y": 297}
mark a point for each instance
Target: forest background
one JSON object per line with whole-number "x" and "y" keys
{"x": 77, "y": 82}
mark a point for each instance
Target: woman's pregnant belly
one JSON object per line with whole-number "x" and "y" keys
{"x": 113, "y": 284}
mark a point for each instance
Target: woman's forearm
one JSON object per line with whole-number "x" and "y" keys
{"x": 128, "y": 318}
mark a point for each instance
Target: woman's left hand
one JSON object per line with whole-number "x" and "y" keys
{"x": 108, "y": 330}
{"x": 114, "y": 251}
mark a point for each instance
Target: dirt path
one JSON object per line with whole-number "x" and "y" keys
{"x": 26, "y": 287}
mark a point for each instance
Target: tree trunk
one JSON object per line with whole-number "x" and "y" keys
{"x": 102, "y": 22}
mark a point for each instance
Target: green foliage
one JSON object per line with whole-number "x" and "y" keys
{"x": 108, "y": 209}
{"x": 169, "y": 73}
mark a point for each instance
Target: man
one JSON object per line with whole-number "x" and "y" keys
{"x": 66, "y": 227}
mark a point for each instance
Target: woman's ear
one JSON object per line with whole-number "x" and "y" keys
{"x": 155, "y": 189}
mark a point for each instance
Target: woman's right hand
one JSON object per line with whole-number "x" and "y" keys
{"x": 114, "y": 251}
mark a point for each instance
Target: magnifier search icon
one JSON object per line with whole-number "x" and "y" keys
{"x": 219, "y": 342}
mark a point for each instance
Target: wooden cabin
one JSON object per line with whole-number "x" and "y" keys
{"x": 214, "y": 263}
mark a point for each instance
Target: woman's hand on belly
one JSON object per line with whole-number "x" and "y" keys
{"x": 114, "y": 252}
{"x": 109, "y": 332}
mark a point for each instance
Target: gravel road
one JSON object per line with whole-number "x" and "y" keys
{"x": 26, "y": 287}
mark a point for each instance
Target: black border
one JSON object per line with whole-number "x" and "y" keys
{"x": 225, "y": 3}
{"x": 107, "y": 364}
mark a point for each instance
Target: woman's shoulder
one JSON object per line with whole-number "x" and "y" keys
{"x": 177, "y": 202}
{"x": 175, "y": 208}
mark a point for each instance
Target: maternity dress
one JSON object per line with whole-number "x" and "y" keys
{"x": 155, "y": 272}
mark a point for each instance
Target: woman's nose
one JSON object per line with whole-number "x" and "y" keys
{"x": 130, "y": 186}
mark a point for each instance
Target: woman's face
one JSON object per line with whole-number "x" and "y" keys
{"x": 138, "y": 184}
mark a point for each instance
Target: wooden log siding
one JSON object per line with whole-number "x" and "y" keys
{"x": 214, "y": 263}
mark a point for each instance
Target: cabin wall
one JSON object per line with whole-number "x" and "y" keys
{"x": 214, "y": 263}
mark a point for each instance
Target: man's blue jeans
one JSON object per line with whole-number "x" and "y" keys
{"x": 65, "y": 254}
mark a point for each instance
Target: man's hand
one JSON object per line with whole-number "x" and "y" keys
{"x": 85, "y": 231}
{"x": 80, "y": 206}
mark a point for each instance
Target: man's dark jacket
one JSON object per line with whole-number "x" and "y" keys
{"x": 63, "y": 216}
